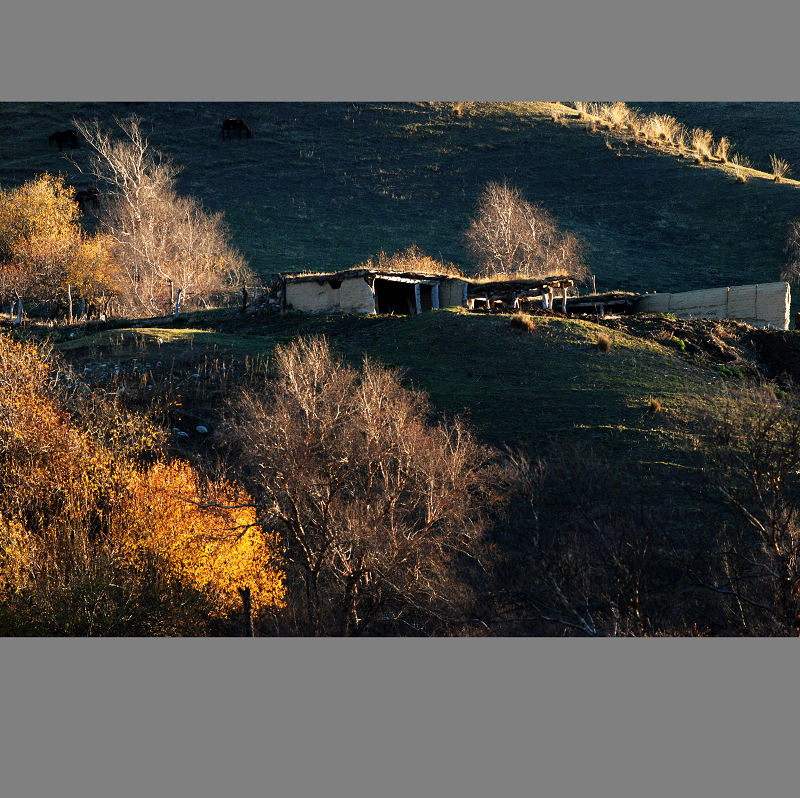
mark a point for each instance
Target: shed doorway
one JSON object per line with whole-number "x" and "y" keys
{"x": 394, "y": 296}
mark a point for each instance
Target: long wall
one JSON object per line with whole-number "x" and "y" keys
{"x": 763, "y": 305}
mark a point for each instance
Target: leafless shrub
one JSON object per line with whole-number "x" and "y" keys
{"x": 751, "y": 443}
{"x": 375, "y": 505}
{"x": 590, "y": 552}
{"x": 510, "y": 236}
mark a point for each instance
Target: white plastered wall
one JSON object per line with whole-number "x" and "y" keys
{"x": 353, "y": 296}
{"x": 762, "y": 305}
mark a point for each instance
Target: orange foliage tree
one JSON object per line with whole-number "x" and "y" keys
{"x": 205, "y": 535}
{"x": 39, "y": 229}
{"x": 92, "y": 542}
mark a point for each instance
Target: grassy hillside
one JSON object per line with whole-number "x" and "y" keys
{"x": 326, "y": 185}
{"x": 551, "y": 386}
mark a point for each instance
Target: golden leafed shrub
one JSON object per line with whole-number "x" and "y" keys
{"x": 91, "y": 542}
{"x": 205, "y": 536}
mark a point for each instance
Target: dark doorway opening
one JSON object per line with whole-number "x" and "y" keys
{"x": 393, "y": 296}
{"x": 426, "y": 297}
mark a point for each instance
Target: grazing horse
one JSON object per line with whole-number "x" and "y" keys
{"x": 87, "y": 195}
{"x": 236, "y": 124}
{"x": 63, "y": 137}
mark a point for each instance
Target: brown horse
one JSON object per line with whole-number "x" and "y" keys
{"x": 62, "y": 138}
{"x": 236, "y": 124}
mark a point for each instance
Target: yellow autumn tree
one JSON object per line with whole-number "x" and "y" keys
{"x": 206, "y": 536}
{"x": 92, "y": 542}
{"x": 39, "y": 230}
{"x": 92, "y": 273}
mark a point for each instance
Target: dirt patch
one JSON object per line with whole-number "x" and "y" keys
{"x": 758, "y": 352}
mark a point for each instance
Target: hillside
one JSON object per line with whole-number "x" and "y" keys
{"x": 327, "y": 185}
{"x": 548, "y": 387}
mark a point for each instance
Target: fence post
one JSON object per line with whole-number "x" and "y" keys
{"x": 248, "y": 611}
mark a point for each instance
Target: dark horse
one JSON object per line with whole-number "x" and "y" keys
{"x": 62, "y": 138}
{"x": 87, "y": 195}
{"x": 236, "y": 124}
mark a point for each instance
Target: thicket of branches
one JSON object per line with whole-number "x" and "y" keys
{"x": 509, "y": 236}
{"x": 100, "y": 534}
{"x": 166, "y": 245}
{"x": 378, "y": 509}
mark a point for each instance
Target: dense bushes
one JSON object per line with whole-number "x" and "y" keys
{"x": 378, "y": 509}
{"x": 96, "y": 541}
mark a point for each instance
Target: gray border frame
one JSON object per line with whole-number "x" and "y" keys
{"x": 387, "y": 717}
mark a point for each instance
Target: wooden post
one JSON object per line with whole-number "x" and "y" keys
{"x": 247, "y": 606}
{"x": 417, "y": 298}
{"x": 435, "y": 296}
{"x": 564, "y": 300}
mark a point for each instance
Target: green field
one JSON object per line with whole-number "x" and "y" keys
{"x": 326, "y": 185}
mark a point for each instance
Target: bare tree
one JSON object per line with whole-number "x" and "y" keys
{"x": 791, "y": 269}
{"x": 165, "y": 243}
{"x": 374, "y": 505}
{"x": 589, "y": 551}
{"x": 752, "y": 448}
{"x": 510, "y": 236}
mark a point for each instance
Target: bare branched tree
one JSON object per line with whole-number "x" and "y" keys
{"x": 165, "y": 243}
{"x": 510, "y": 236}
{"x": 591, "y": 553}
{"x": 752, "y": 447}
{"x": 791, "y": 269}
{"x": 375, "y": 506}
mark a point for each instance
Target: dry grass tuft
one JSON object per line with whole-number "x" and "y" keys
{"x": 702, "y": 143}
{"x": 522, "y": 321}
{"x": 412, "y": 259}
{"x": 740, "y": 163}
{"x": 582, "y": 108}
{"x": 780, "y": 167}
{"x": 723, "y": 149}
{"x": 604, "y": 343}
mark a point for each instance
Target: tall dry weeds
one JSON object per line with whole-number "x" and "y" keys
{"x": 780, "y": 167}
